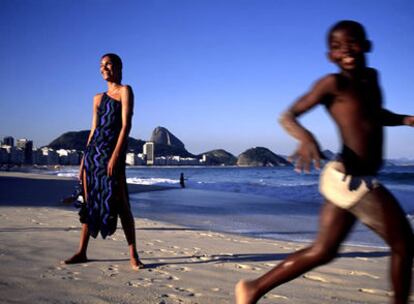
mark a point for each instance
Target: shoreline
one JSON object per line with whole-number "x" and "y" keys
{"x": 46, "y": 189}
{"x": 69, "y": 183}
{"x": 38, "y": 192}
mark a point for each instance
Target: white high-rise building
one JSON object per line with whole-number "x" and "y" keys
{"x": 148, "y": 150}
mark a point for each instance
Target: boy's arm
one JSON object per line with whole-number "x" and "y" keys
{"x": 308, "y": 150}
{"x": 389, "y": 118}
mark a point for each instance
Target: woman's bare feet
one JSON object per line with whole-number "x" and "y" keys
{"x": 244, "y": 293}
{"x": 136, "y": 263}
{"x": 77, "y": 258}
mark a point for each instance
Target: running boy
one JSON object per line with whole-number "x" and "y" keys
{"x": 353, "y": 99}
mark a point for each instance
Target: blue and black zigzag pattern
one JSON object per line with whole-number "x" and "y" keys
{"x": 101, "y": 189}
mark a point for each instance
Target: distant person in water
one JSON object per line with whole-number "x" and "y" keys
{"x": 182, "y": 184}
{"x": 102, "y": 169}
{"x": 352, "y": 97}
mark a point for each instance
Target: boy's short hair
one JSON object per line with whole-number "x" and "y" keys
{"x": 355, "y": 27}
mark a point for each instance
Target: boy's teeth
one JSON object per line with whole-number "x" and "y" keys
{"x": 348, "y": 59}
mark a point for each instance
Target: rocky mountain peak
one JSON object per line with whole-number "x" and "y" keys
{"x": 162, "y": 136}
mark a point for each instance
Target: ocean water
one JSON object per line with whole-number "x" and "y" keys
{"x": 273, "y": 202}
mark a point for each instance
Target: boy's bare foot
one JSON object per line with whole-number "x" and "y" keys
{"x": 136, "y": 263}
{"x": 244, "y": 293}
{"x": 77, "y": 258}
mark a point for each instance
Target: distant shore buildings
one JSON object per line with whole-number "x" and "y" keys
{"x": 24, "y": 153}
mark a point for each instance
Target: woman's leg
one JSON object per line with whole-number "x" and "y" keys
{"x": 128, "y": 224}
{"x": 80, "y": 256}
{"x": 335, "y": 223}
{"x": 380, "y": 211}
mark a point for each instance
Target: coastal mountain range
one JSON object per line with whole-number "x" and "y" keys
{"x": 167, "y": 144}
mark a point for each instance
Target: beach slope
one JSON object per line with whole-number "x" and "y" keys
{"x": 183, "y": 265}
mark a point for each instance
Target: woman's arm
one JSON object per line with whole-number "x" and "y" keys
{"x": 127, "y": 100}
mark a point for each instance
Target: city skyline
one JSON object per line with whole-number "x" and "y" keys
{"x": 215, "y": 73}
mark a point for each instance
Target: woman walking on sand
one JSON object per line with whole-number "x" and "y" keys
{"x": 102, "y": 169}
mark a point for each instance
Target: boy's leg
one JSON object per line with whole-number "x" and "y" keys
{"x": 380, "y": 211}
{"x": 335, "y": 223}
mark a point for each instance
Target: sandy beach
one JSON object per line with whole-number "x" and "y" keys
{"x": 184, "y": 265}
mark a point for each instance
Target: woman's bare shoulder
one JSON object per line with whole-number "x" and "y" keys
{"x": 126, "y": 88}
{"x": 97, "y": 98}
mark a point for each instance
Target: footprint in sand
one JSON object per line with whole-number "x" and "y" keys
{"x": 69, "y": 276}
{"x": 69, "y": 229}
{"x": 173, "y": 278}
{"x": 180, "y": 269}
{"x": 166, "y": 275}
{"x": 273, "y": 296}
{"x": 167, "y": 251}
{"x": 140, "y": 282}
{"x": 365, "y": 274}
{"x": 242, "y": 266}
{"x": 179, "y": 298}
{"x": 205, "y": 234}
{"x": 172, "y": 298}
{"x": 202, "y": 258}
{"x": 316, "y": 278}
{"x": 61, "y": 273}
{"x": 226, "y": 254}
{"x": 361, "y": 259}
{"x": 244, "y": 242}
{"x": 34, "y": 221}
{"x": 111, "y": 271}
{"x": 187, "y": 292}
{"x": 375, "y": 291}
{"x": 247, "y": 267}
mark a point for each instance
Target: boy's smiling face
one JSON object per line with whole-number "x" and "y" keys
{"x": 347, "y": 50}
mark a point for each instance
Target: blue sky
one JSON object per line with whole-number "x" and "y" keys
{"x": 216, "y": 73}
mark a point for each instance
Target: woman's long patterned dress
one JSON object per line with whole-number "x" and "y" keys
{"x": 103, "y": 190}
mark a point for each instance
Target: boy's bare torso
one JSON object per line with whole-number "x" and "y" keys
{"x": 355, "y": 104}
